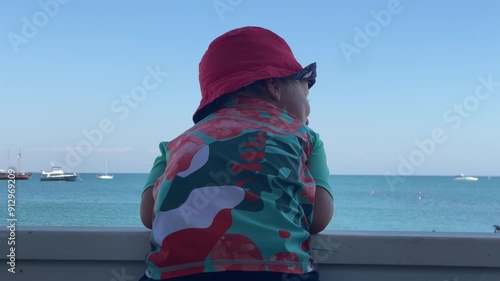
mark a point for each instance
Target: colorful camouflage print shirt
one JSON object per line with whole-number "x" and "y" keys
{"x": 236, "y": 192}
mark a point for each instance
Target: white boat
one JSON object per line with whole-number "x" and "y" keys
{"x": 56, "y": 173}
{"x": 106, "y": 175}
{"x": 462, "y": 177}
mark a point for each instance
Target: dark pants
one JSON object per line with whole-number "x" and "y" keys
{"x": 244, "y": 276}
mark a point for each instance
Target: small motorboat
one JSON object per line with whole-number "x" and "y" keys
{"x": 57, "y": 174}
{"x": 462, "y": 177}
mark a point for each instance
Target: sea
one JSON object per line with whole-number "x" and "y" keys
{"x": 413, "y": 203}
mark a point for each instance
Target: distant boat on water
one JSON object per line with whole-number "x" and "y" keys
{"x": 56, "y": 173}
{"x": 106, "y": 175}
{"x": 17, "y": 175}
{"x": 5, "y": 175}
{"x": 462, "y": 177}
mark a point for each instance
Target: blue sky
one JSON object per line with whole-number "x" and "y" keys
{"x": 404, "y": 87}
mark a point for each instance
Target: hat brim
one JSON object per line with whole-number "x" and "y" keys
{"x": 307, "y": 73}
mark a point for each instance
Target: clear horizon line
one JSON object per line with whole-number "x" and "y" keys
{"x": 351, "y": 174}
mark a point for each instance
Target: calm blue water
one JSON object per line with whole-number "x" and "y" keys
{"x": 361, "y": 203}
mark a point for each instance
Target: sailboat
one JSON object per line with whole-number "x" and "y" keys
{"x": 5, "y": 175}
{"x": 105, "y": 176}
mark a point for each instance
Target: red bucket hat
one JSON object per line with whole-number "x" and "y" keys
{"x": 243, "y": 56}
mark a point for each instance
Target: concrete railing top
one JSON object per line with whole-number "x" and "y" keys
{"x": 329, "y": 247}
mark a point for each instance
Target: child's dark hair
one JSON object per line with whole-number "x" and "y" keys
{"x": 256, "y": 89}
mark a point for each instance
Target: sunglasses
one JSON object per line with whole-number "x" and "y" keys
{"x": 307, "y": 73}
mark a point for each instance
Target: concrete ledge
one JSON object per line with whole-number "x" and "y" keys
{"x": 408, "y": 248}
{"x": 44, "y": 253}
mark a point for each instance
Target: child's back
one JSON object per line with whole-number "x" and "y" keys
{"x": 238, "y": 192}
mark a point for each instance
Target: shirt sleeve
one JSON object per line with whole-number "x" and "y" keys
{"x": 317, "y": 164}
{"x": 158, "y": 168}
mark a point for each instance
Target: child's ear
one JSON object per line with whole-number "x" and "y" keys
{"x": 273, "y": 89}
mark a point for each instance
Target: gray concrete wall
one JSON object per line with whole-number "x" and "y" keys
{"x": 117, "y": 254}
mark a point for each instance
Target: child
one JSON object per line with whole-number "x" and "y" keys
{"x": 237, "y": 196}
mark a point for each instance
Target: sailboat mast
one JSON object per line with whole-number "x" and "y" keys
{"x": 8, "y": 160}
{"x": 19, "y": 161}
